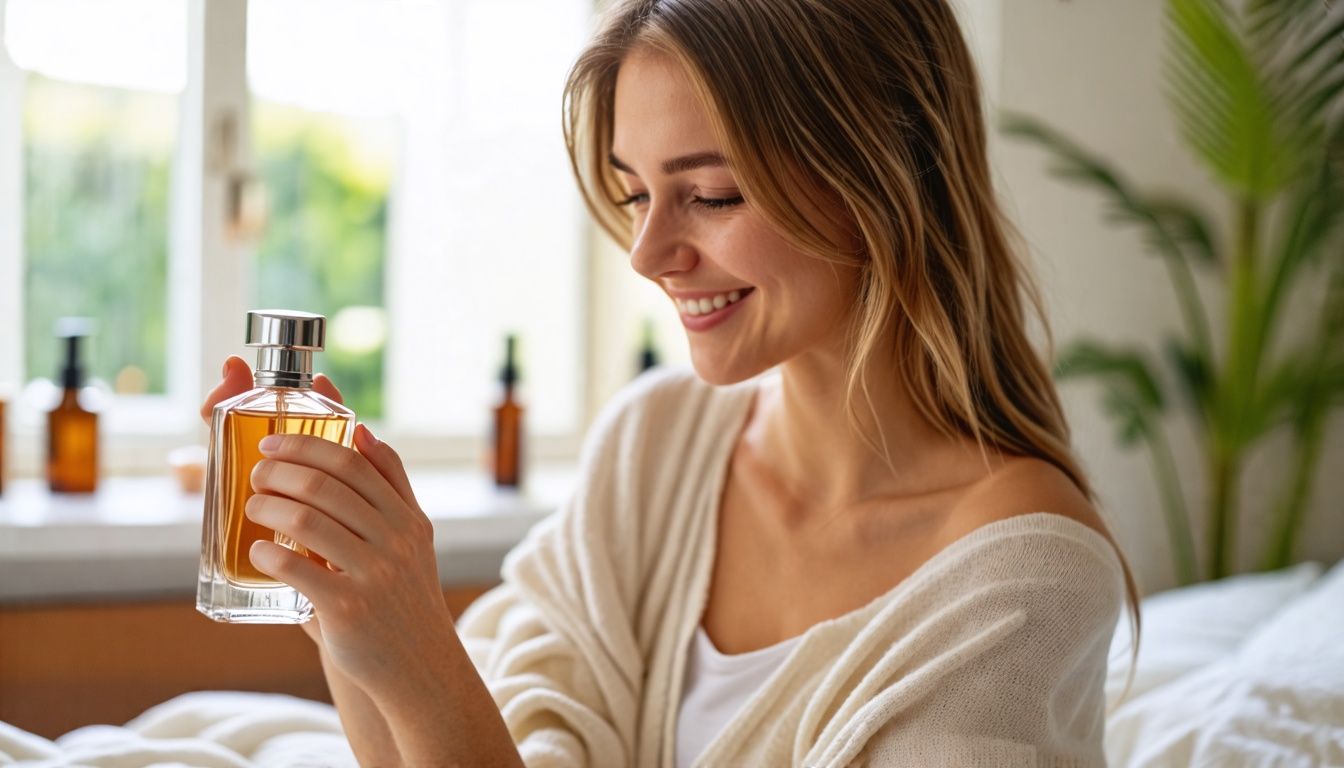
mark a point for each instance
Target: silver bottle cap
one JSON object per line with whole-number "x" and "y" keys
{"x": 285, "y": 340}
{"x": 286, "y": 328}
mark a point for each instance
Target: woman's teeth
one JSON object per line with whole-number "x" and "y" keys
{"x": 708, "y": 304}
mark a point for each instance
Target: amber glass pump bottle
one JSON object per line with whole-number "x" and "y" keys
{"x": 229, "y": 588}
{"x": 508, "y": 444}
{"x": 72, "y": 430}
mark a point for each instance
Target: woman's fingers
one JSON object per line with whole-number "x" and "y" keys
{"x": 327, "y": 477}
{"x": 299, "y": 572}
{"x": 387, "y": 462}
{"x": 237, "y": 380}
{"x": 315, "y": 530}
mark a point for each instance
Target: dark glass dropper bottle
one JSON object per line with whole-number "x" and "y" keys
{"x": 508, "y": 447}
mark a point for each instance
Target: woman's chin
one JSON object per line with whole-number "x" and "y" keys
{"x": 715, "y": 369}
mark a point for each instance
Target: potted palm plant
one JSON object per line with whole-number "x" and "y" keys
{"x": 1256, "y": 89}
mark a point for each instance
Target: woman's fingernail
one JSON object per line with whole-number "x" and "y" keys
{"x": 269, "y": 443}
{"x": 368, "y": 437}
{"x": 225, "y": 373}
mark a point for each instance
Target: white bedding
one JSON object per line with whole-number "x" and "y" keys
{"x": 1248, "y": 671}
{"x": 215, "y": 729}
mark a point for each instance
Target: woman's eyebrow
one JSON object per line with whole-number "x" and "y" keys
{"x": 676, "y": 164}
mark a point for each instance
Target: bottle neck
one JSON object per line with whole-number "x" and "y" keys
{"x": 284, "y": 367}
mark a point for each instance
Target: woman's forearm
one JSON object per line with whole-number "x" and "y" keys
{"x": 365, "y": 727}
{"x": 446, "y": 716}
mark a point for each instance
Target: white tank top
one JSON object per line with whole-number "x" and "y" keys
{"x": 716, "y": 687}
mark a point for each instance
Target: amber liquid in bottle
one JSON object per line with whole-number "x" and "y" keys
{"x": 72, "y": 446}
{"x": 242, "y": 431}
{"x": 230, "y": 588}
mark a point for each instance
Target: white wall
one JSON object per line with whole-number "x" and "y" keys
{"x": 1093, "y": 70}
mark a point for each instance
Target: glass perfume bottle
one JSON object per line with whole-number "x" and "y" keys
{"x": 229, "y": 588}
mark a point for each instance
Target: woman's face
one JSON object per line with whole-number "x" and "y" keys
{"x": 748, "y": 300}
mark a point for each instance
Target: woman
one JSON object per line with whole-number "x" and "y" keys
{"x": 883, "y": 552}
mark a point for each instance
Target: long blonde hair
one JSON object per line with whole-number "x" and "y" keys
{"x": 874, "y": 104}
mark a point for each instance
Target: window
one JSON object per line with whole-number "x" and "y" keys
{"x": 98, "y": 123}
{"x": 412, "y": 182}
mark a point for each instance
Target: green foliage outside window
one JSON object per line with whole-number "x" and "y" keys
{"x": 97, "y": 165}
{"x": 327, "y": 181}
{"x": 98, "y": 173}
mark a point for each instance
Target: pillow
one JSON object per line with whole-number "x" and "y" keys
{"x": 1187, "y": 628}
{"x": 1277, "y": 700}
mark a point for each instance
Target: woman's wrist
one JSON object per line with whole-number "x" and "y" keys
{"x": 444, "y": 713}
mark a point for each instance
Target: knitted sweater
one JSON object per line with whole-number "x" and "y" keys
{"x": 993, "y": 652}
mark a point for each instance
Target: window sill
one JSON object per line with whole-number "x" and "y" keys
{"x": 141, "y": 536}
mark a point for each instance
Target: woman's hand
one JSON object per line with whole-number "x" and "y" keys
{"x": 382, "y": 607}
{"x": 237, "y": 380}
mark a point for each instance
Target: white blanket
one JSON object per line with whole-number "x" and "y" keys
{"x": 216, "y": 729}
{"x": 1244, "y": 672}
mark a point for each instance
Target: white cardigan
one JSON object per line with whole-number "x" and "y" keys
{"x": 991, "y": 653}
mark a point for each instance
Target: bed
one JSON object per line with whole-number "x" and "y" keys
{"x": 1247, "y": 671}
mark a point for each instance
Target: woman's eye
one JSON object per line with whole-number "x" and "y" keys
{"x": 717, "y": 203}
{"x": 638, "y": 197}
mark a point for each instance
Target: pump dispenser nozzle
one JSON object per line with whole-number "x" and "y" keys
{"x": 71, "y": 330}
{"x": 509, "y": 373}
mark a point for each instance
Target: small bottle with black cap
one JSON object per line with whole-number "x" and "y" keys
{"x": 508, "y": 433}
{"x": 72, "y": 428}
{"x": 229, "y": 587}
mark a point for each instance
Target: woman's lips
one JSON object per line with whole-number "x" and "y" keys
{"x": 708, "y": 320}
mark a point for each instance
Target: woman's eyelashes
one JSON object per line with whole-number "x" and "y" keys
{"x": 719, "y": 202}
{"x": 711, "y": 203}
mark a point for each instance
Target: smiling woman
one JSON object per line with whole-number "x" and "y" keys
{"x": 856, "y": 533}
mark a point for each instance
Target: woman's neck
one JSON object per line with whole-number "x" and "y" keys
{"x": 800, "y": 429}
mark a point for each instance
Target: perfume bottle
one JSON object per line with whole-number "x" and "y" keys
{"x": 229, "y": 588}
{"x": 72, "y": 429}
{"x": 508, "y": 443}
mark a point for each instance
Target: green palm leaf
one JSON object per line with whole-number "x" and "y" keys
{"x": 1127, "y": 369}
{"x": 1171, "y": 228}
{"x": 1224, "y": 110}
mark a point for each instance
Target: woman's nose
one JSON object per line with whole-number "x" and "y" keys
{"x": 660, "y": 246}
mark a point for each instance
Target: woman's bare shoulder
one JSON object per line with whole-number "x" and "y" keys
{"x": 1021, "y": 485}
